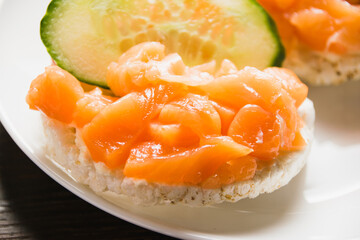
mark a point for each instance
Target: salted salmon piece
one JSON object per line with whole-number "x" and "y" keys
{"x": 297, "y": 144}
{"x": 172, "y": 69}
{"x": 259, "y": 130}
{"x": 171, "y": 64}
{"x": 153, "y": 162}
{"x": 226, "y": 116}
{"x": 346, "y": 39}
{"x": 128, "y": 73}
{"x": 227, "y": 67}
{"x": 291, "y": 83}
{"x": 112, "y": 133}
{"x": 90, "y": 105}
{"x": 266, "y": 86}
{"x": 233, "y": 171}
{"x": 247, "y": 86}
{"x": 174, "y": 135}
{"x": 143, "y": 52}
{"x": 126, "y": 78}
{"x": 314, "y": 27}
{"x": 55, "y": 93}
{"x": 230, "y": 85}
{"x": 284, "y": 106}
{"x": 192, "y": 111}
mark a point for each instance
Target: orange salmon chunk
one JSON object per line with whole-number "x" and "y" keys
{"x": 152, "y": 162}
{"x": 90, "y": 105}
{"x": 236, "y": 170}
{"x": 55, "y": 93}
{"x": 258, "y": 129}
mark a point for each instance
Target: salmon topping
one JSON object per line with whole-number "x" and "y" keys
{"x": 323, "y": 25}
{"x": 55, "y": 92}
{"x": 90, "y": 105}
{"x": 189, "y": 167}
{"x": 205, "y": 125}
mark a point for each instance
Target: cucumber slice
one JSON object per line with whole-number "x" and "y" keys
{"x": 84, "y": 36}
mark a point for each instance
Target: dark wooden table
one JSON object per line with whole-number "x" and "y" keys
{"x": 34, "y": 206}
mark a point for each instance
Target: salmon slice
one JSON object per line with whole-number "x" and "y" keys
{"x": 90, "y": 105}
{"x": 175, "y": 135}
{"x": 346, "y": 40}
{"x": 226, "y": 116}
{"x": 143, "y": 52}
{"x": 297, "y": 144}
{"x": 226, "y": 68}
{"x": 314, "y": 27}
{"x": 172, "y": 69}
{"x": 195, "y": 112}
{"x": 128, "y": 74}
{"x": 291, "y": 83}
{"x": 247, "y": 86}
{"x": 55, "y": 93}
{"x": 236, "y": 170}
{"x": 112, "y": 133}
{"x": 259, "y": 130}
{"x": 153, "y": 162}
{"x": 127, "y": 78}
{"x": 292, "y": 95}
{"x": 230, "y": 85}
{"x": 286, "y": 109}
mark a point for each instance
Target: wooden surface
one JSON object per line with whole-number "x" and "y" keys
{"x": 33, "y": 206}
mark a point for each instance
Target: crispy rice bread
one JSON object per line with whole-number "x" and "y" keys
{"x": 65, "y": 147}
{"x": 319, "y": 68}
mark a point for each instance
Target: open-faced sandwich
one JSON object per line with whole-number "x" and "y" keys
{"x": 322, "y": 38}
{"x": 190, "y": 127}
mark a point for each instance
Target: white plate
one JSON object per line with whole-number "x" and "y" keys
{"x": 323, "y": 202}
